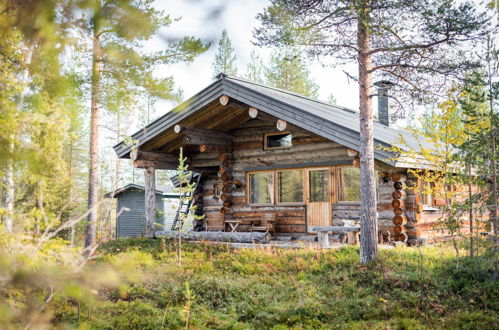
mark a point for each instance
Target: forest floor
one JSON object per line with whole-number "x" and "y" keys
{"x": 221, "y": 287}
{"x": 137, "y": 284}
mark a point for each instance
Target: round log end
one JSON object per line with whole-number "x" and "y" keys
{"x": 399, "y": 220}
{"x": 397, "y": 229}
{"x": 281, "y": 125}
{"x": 401, "y": 237}
{"x": 253, "y": 112}
{"x": 224, "y": 100}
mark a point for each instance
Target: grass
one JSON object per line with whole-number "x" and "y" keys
{"x": 224, "y": 288}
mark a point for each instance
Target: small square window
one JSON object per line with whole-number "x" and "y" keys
{"x": 278, "y": 141}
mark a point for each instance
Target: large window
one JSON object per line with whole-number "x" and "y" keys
{"x": 290, "y": 186}
{"x": 278, "y": 140}
{"x": 348, "y": 183}
{"x": 261, "y": 188}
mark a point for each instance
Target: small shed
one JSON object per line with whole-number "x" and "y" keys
{"x": 130, "y": 206}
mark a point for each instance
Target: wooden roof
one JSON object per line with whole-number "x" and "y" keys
{"x": 204, "y": 110}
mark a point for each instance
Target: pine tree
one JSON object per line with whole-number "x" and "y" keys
{"x": 225, "y": 58}
{"x": 254, "y": 69}
{"x": 288, "y": 71}
{"x": 117, "y": 31}
{"x": 414, "y": 42}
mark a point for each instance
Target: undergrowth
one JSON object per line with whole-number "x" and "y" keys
{"x": 296, "y": 288}
{"x": 225, "y": 288}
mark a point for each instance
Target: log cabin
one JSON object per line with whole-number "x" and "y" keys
{"x": 265, "y": 150}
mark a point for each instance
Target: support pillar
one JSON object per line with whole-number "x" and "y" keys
{"x": 150, "y": 201}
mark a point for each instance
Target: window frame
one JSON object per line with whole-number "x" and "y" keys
{"x": 248, "y": 188}
{"x": 276, "y": 187}
{"x": 265, "y": 147}
{"x": 337, "y": 173}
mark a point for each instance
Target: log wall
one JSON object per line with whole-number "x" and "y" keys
{"x": 247, "y": 152}
{"x": 400, "y": 213}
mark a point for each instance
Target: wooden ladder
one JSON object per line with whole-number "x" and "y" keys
{"x": 184, "y": 207}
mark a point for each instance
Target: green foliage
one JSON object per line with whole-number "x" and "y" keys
{"x": 288, "y": 71}
{"x": 225, "y": 59}
{"x": 254, "y": 69}
{"x": 221, "y": 287}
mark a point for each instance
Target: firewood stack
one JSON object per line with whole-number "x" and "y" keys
{"x": 398, "y": 203}
{"x": 224, "y": 173}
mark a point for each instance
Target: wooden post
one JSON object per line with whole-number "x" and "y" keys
{"x": 323, "y": 239}
{"x": 150, "y": 201}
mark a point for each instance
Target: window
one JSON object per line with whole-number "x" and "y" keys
{"x": 261, "y": 188}
{"x": 348, "y": 184}
{"x": 318, "y": 185}
{"x": 426, "y": 193}
{"x": 290, "y": 186}
{"x": 278, "y": 140}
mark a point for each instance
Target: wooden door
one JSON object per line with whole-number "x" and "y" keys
{"x": 317, "y": 196}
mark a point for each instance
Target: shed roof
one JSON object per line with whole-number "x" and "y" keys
{"x": 161, "y": 189}
{"x": 336, "y": 123}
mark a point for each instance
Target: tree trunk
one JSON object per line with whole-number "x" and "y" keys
{"x": 368, "y": 216}
{"x": 150, "y": 201}
{"x": 493, "y": 209}
{"x": 470, "y": 194}
{"x": 9, "y": 189}
{"x": 219, "y": 236}
{"x": 93, "y": 179}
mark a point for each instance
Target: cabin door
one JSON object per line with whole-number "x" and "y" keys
{"x": 317, "y": 197}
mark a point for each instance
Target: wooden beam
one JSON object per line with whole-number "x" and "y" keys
{"x": 207, "y": 140}
{"x": 156, "y": 164}
{"x": 201, "y": 132}
{"x": 150, "y": 200}
{"x": 153, "y": 156}
{"x": 212, "y": 148}
{"x": 201, "y": 136}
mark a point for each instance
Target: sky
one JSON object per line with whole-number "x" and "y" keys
{"x": 238, "y": 17}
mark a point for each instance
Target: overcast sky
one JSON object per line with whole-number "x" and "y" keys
{"x": 207, "y": 18}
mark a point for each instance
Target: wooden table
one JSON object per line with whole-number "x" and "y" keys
{"x": 233, "y": 224}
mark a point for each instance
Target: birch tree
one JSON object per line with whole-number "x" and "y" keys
{"x": 412, "y": 42}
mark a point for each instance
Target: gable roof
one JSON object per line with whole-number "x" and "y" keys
{"x": 161, "y": 189}
{"x": 338, "y": 124}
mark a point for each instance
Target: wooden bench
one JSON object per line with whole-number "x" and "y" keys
{"x": 352, "y": 234}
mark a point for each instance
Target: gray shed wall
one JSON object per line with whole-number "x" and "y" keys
{"x": 131, "y": 223}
